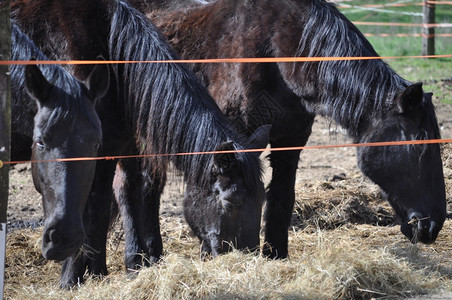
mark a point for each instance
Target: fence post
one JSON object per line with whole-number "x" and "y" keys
{"x": 5, "y": 129}
{"x": 428, "y": 33}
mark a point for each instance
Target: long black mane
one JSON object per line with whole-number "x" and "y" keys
{"x": 349, "y": 89}
{"x": 148, "y": 5}
{"x": 24, "y": 106}
{"x": 168, "y": 107}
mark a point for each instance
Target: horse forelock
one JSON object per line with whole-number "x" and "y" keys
{"x": 69, "y": 98}
{"x": 170, "y": 109}
{"x": 347, "y": 89}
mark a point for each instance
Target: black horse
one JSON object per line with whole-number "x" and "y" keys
{"x": 366, "y": 98}
{"x": 53, "y": 117}
{"x": 157, "y": 108}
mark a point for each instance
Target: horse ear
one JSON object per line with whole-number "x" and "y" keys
{"x": 259, "y": 139}
{"x": 428, "y": 97}
{"x": 225, "y": 161}
{"x": 36, "y": 84}
{"x": 98, "y": 81}
{"x": 410, "y": 99}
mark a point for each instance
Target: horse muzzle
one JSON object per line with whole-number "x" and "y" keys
{"x": 59, "y": 244}
{"x": 421, "y": 229}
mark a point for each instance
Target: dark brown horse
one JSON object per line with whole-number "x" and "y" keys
{"x": 366, "y": 98}
{"x": 151, "y": 109}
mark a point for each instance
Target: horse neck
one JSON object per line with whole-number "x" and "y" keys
{"x": 348, "y": 91}
{"x": 172, "y": 116}
{"x": 170, "y": 111}
{"x": 355, "y": 92}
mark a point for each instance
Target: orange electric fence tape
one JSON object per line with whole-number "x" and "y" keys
{"x": 439, "y": 2}
{"x": 398, "y": 4}
{"x": 409, "y": 35}
{"x": 393, "y": 4}
{"x": 375, "y": 144}
{"x": 230, "y": 60}
{"x": 14, "y": 2}
{"x": 440, "y": 25}
{"x": 338, "y": 2}
{"x": 212, "y": 60}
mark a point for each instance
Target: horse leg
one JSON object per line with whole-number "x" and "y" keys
{"x": 138, "y": 196}
{"x": 281, "y": 190}
{"x": 73, "y": 269}
{"x": 96, "y": 220}
{"x": 280, "y": 202}
{"x": 126, "y": 185}
{"x": 148, "y": 213}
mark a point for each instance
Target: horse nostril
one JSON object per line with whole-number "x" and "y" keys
{"x": 434, "y": 230}
{"x": 419, "y": 222}
{"x": 54, "y": 237}
{"x": 415, "y": 227}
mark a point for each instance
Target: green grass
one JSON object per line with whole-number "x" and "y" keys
{"x": 443, "y": 13}
{"x": 428, "y": 71}
{"x": 400, "y": 46}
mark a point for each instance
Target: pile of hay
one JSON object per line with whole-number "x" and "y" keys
{"x": 352, "y": 261}
{"x": 330, "y": 204}
{"x": 341, "y": 210}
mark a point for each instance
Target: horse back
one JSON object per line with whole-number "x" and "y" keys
{"x": 65, "y": 30}
{"x": 229, "y": 29}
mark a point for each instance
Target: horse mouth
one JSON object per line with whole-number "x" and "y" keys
{"x": 423, "y": 230}
{"x": 57, "y": 248}
{"x": 59, "y": 253}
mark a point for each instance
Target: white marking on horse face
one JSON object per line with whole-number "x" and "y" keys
{"x": 213, "y": 234}
{"x": 227, "y": 196}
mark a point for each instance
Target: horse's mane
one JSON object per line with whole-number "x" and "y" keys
{"x": 65, "y": 106}
{"x": 172, "y": 111}
{"x": 347, "y": 89}
{"x": 150, "y": 5}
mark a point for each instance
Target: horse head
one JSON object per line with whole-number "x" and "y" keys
{"x": 66, "y": 126}
{"x": 228, "y": 214}
{"x": 411, "y": 176}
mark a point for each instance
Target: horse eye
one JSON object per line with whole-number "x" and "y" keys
{"x": 40, "y": 144}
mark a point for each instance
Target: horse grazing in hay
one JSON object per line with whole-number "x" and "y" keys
{"x": 366, "y": 98}
{"x": 158, "y": 108}
{"x": 65, "y": 125}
